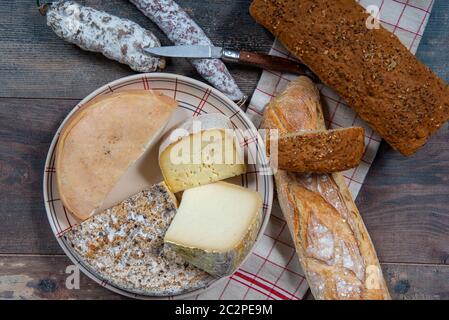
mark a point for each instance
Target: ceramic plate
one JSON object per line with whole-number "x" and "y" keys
{"x": 195, "y": 98}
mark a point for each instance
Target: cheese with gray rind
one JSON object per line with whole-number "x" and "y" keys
{"x": 216, "y": 226}
{"x": 188, "y": 157}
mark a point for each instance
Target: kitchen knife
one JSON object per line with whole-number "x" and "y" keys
{"x": 259, "y": 60}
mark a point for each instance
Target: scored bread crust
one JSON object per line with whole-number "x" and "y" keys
{"x": 102, "y": 140}
{"x": 333, "y": 245}
{"x": 321, "y": 151}
{"x": 396, "y": 94}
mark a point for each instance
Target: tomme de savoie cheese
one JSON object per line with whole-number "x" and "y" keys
{"x": 102, "y": 140}
{"x": 201, "y": 151}
{"x": 215, "y": 226}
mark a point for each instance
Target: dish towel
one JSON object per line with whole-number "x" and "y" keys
{"x": 272, "y": 271}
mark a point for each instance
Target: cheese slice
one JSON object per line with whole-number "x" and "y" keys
{"x": 216, "y": 226}
{"x": 124, "y": 246}
{"x": 202, "y": 150}
{"x": 102, "y": 140}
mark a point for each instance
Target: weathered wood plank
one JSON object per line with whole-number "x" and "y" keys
{"x": 26, "y": 130}
{"x": 417, "y": 281}
{"x": 404, "y": 203}
{"x": 434, "y": 46}
{"x": 414, "y": 281}
{"x": 44, "y": 277}
{"x": 36, "y": 63}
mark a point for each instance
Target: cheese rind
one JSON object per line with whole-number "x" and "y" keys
{"x": 216, "y": 226}
{"x": 192, "y": 157}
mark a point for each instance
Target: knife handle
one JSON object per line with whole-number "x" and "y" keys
{"x": 269, "y": 62}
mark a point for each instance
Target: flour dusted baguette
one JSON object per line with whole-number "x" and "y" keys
{"x": 334, "y": 247}
{"x": 377, "y": 76}
{"x": 321, "y": 151}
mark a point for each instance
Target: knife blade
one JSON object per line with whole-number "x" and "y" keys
{"x": 260, "y": 60}
{"x": 206, "y": 52}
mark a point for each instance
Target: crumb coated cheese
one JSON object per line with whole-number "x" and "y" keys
{"x": 124, "y": 246}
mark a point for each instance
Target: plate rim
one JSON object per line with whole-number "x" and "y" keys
{"x": 108, "y": 87}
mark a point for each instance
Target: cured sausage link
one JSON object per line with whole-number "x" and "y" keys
{"x": 93, "y": 30}
{"x": 182, "y": 30}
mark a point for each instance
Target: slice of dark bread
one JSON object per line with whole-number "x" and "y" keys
{"x": 321, "y": 151}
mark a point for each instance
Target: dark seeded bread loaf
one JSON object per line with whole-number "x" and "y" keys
{"x": 321, "y": 151}
{"x": 377, "y": 76}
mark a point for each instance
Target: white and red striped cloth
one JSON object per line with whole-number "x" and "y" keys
{"x": 273, "y": 271}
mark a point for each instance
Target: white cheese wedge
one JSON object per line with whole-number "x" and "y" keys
{"x": 216, "y": 226}
{"x": 202, "y": 150}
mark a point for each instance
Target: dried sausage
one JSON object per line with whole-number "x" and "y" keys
{"x": 93, "y": 30}
{"x": 182, "y": 30}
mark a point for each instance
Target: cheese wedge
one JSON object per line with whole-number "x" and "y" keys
{"x": 124, "y": 246}
{"x": 202, "y": 150}
{"x": 216, "y": 226}
{"x": 102, "y": 141}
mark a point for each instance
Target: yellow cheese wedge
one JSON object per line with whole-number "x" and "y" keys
{"x": 202, "y": 150}
{"x": 102, "y": 141}
{"x": 216, "y": 226}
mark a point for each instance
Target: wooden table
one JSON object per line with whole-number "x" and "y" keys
{"x": 404, "y": 201}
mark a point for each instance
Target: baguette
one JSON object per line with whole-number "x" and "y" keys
{"x": 397, "y": 95}
{"x": 333, "y": 245}
{"x": 321, "y": 151}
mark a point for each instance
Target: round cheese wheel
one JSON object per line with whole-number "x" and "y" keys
{"x": 102, "y": 140}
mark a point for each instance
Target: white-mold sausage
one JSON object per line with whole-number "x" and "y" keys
{"x": 182, "y": 30}
{"x": 93, "y": 30}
